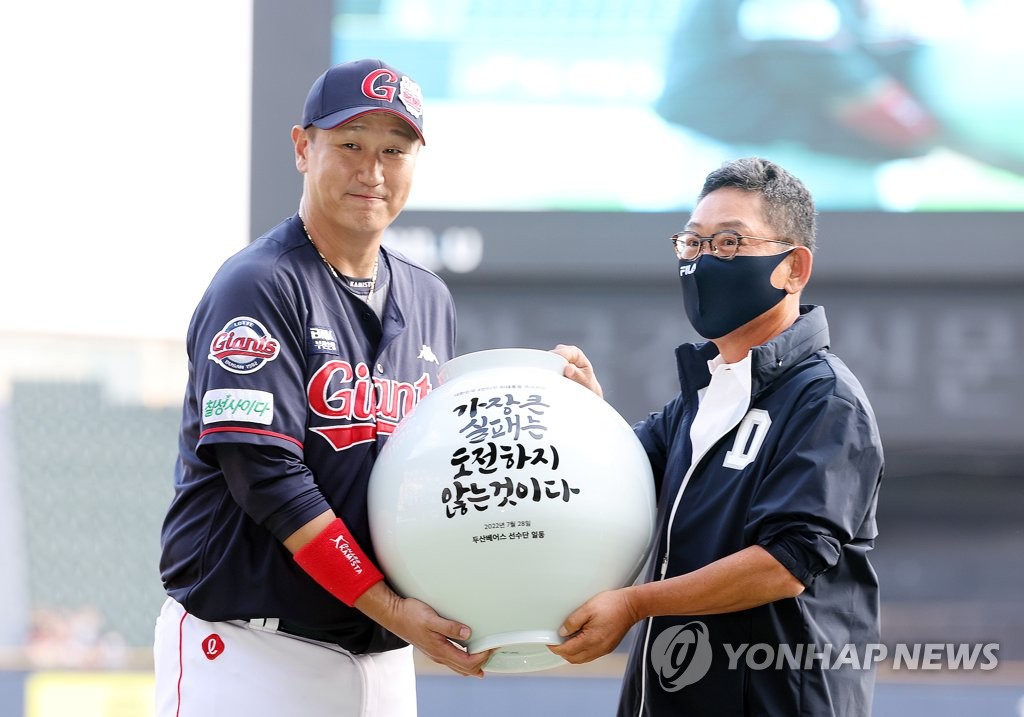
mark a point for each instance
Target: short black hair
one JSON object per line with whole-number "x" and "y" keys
{"x": 788, "y": 205}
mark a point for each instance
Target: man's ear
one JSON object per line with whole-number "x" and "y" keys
{"x": 300, "y": 138}
{"x": 798, "y": 269}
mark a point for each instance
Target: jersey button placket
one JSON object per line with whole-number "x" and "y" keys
{"x": 378, "y": 371}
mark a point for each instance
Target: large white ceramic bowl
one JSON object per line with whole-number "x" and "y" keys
{"x": 507, "y": 498}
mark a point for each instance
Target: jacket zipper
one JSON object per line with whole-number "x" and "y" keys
{"x": 668, "y": 550}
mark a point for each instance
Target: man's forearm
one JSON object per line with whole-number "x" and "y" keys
{"x": 743, "y": 580}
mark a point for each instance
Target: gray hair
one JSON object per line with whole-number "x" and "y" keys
{"x": 788, "y": 205}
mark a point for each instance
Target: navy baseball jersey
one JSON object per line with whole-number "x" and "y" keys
{"x": 294, "y": 384}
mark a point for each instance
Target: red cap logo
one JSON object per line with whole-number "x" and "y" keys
{"x": 382, "y": 92}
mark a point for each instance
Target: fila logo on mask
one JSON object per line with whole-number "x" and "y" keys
{"x": 749, "y": 437}
{"x": 687, "y": 269}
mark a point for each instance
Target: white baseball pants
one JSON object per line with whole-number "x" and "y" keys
{"x": 212, "y": 669}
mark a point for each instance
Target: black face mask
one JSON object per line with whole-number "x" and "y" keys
{"x": 720, "y": 296}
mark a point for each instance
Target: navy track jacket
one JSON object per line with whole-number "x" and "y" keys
{"x": 806, "y": 490}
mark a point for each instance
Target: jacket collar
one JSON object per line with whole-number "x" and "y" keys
{"x": 807, "y": 335}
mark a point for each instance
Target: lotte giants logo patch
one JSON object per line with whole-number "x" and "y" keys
{"x": 213, "y": 646}
{"x": 243, "y": 346}
{"x": 412, "y": 96}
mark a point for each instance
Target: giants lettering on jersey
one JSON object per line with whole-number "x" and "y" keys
{"x": 363, "y": 406}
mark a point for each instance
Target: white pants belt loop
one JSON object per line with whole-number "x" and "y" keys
{"x": 269, "y": 624}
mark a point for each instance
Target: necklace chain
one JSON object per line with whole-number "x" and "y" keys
{"x": 334, "y": 272}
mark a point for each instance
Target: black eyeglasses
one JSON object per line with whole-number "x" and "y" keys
{"x": 724, "y": 244}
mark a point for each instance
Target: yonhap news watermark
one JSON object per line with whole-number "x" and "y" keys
{"x": 682, "y": 654}
{"x": 902, "y": 656}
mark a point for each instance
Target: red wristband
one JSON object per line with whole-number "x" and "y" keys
{"x": 338, "y": 564}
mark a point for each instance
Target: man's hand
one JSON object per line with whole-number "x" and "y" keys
{"x": 418, "y": 624}
{"x": 579, "y": 368}
{"x": 596, "y": 627}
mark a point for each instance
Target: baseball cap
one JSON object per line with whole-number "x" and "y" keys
{"x": 356, "y": 88}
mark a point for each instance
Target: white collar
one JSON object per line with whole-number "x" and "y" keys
{"x": 742, "y": 365}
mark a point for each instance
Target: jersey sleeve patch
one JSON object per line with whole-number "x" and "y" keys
{"x": 238, "y": 404}
{"x": 243, "y": 346}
